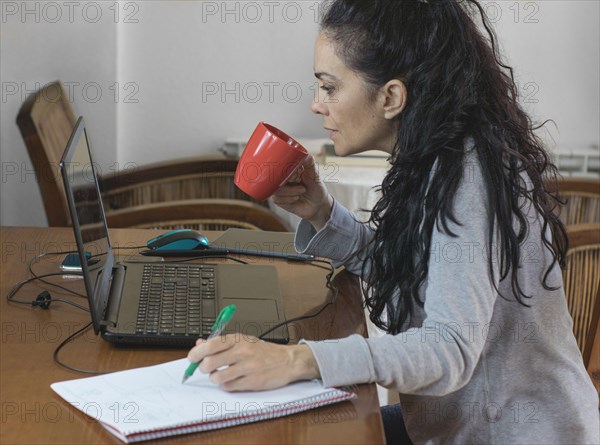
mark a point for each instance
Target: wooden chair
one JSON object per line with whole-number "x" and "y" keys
{"x": 592, "y": 346}
{"x": 582, "y": 200}
{"x": 198, "y": 214}
{"x": 191, "y": 178}
{"x": 582, "y": 283}
{"x": 46, "y": 121}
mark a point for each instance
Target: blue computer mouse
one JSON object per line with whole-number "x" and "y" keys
{"x": 184, "y": 239}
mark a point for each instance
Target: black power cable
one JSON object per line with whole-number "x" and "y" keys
{"x": 329, "y": 285}
{"x": 44, "y": 299}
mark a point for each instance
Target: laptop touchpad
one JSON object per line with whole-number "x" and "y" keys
{"x": 253, "y": 310}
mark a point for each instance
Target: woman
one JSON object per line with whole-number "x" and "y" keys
{"x": 463, "y": 248}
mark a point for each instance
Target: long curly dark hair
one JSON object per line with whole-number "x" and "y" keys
{"x": 458, "y": 87}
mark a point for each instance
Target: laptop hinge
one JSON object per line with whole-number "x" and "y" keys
{"x": 114, "y": 296}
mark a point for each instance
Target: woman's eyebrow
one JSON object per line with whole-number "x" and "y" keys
{"x": 321, "y": 74}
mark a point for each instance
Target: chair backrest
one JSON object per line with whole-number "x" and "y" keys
{"x": 199, "y": 214}
{"x": 592, "y": 341}
{"x": 46, "y": 120}
{"x": 582, "y": 281}
{"x": 582, "y": 200}
{"x": 182, "y": 179}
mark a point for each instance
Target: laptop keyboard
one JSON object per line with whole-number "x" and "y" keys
{"x": 177, "y": 299}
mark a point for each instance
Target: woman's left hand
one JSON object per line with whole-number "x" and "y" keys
{"x": 253, "y": 364}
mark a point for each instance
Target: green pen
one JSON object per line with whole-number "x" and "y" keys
{"x": 223, "y": 318}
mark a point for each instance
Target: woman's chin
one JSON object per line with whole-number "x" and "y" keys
{"x": 340, "y": 150}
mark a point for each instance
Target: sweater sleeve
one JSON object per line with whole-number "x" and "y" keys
{"x": 440, "y": 356}
{"x": 344, "y": 239}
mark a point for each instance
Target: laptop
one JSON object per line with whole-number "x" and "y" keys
{"x": 159, "y": 303}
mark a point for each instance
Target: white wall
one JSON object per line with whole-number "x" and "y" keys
{"x": 184, "y": 55}
{"x": 167, "y": 58}
{"x": 41, "y": 42}
{"x": 554, "y": 47}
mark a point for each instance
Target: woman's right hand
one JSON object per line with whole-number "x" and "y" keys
{"x": 305, "y": 195}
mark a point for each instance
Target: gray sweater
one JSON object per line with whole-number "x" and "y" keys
{"x": 478, "y": 368}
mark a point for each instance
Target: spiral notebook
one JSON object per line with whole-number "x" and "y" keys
{"x": 149, "y": 403}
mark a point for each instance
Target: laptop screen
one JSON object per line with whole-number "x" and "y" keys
{"x": 88, "y": 220}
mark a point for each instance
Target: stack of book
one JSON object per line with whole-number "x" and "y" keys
{"x": 323, "y": 151}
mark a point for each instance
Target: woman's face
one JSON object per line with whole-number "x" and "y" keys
{"x": 351, "y": 112}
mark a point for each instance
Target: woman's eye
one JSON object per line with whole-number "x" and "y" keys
{"x": 328, "y": 89}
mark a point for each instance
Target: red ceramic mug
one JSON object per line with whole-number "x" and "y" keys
{"x": 269, "y": 160}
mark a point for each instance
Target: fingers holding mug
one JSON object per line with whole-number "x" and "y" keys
{"x": 296, "y": 177}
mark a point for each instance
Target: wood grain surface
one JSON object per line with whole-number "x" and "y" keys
{"x": 33, "y": 414}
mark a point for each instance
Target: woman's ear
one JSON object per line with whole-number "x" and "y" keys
{"x": 394, "y": 98}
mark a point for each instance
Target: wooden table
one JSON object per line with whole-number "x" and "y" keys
{"x": 32, "y": 413}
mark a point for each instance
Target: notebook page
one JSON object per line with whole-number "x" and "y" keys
{"x": 150, "y": 398}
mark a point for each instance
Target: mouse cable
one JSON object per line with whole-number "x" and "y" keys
{"x": 36, "y": 258}
{"x": 38, "y": 302}
{"x": 185, "y": 260}
{"x": 138, "y": 248}
{"x": 329, "y": 285}
{"x": 129, "y": 247}
{"x": 70, "y": 338}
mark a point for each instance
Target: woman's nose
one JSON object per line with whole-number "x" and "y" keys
{"x": 318, "y": 107}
